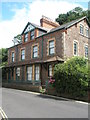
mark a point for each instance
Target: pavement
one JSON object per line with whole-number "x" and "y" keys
{"x": 25, "y": 104}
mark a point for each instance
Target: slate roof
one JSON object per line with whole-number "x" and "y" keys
{"x": 69, "y": 24}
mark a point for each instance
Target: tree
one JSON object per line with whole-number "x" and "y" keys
{"x": 74, "y": 14}
{"x": 3, "y": 56}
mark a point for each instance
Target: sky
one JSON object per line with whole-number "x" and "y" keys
{"x": 15, "y": 14}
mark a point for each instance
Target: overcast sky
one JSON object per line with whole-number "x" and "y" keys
{"x": 15, "y": 15}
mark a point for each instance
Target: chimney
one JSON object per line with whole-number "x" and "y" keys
{"x": 48, "y": 23}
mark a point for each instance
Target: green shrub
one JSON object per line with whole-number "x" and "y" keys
{"x": 71, "y": 77}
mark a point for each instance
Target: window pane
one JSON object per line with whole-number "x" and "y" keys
{"x": 52, "y": 51}
{"x": 22, "y": 54}
{"x": 32, "y": 34}
{"x": 35, "y": 48}
{"x": 12, "y": 56}
{"x": 51, "y": 47}
{"x": 26, "y": 37}
{"x": 75, "y": 48}
{"x": 86, "y": 51}
{"x": 51, "y": 44}
{"x": 87, "y": 32}
{"x": 29, "y": 73}
{"x": 50, "y": 70}
{"x": 35, "y": 51}
{"x": 37, "y": 73}
{"x": 81, "y": 29}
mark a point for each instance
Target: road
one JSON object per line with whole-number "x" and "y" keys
{"x": 20, "y": 104}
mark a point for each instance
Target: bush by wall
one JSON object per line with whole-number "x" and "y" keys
{"x": 71, "y": 77}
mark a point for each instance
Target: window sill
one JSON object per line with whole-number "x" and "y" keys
{"x": 51, "y": 54}
{"x": 84, "y": 35}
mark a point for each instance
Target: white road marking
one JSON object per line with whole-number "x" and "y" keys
{"x": 3, "y": 115}
{"x": 82, "y": 102}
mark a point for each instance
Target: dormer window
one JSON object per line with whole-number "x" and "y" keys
{"x": 32, "y": 34}
{"x": 26, "y": 37}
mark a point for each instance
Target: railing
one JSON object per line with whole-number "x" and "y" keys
{"x": 32, "y": 82}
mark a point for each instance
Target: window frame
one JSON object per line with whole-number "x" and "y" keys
{"x": 37, "y": 73}
{"x": 26, "y": 37}
{"x": 22, "y": 54}
{"x": 81, "y": 29}
{"x": 87, "y": 32}
{"x": 50, "y": 70}
{"x": 32, "y": 36}
{"x": 13, "y": 57}
{"x": 30, "y": 73}
{"x": 86, "y": 51}
{"x": 77, "y": 52}
{"x": 51, "y": 47}
{"x": 32, "y": 52}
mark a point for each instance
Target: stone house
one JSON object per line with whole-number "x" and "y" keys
{"x": 42, "y": 47}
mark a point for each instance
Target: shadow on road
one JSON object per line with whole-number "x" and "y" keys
{"x": 51, "y": 97}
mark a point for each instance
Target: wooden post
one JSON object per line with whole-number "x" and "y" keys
{"x": 14, "y": 74}
{"x": 25, "y": 73}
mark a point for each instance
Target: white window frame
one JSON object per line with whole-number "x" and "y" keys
{"x": 81, "y": 29}
{"x": 87, "y": 32}
{"x": 35, "y": 51}
{"x": 86, "y": 53}
{"x": 32, "y": 34}
{"x": 29, "y": 73}
{"x": 37, "y": 73}
{"x": 13, "y": 56}
{"x": 75, "y": 41}
{"x": 22, "y": 58}
{"x": 26, "y": 37}
{"x": 18, "y": 71}
{"x": 50, "y": 71}
{"x": 50, "y": 48}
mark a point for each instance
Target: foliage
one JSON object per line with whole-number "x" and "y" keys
{"x": 71, "y": 77}
{"x": 74, "y": 14}
{"x": 3, "y": 56}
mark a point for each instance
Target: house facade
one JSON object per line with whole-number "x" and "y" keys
{"x": 42, "y": 47}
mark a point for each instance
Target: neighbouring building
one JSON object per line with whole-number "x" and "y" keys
{"x": 42, "y": 47}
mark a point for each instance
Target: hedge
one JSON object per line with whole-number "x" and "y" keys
{"x": 71, "y": 77}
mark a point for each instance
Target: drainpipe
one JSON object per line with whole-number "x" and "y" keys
{"x": 42, "y": 47}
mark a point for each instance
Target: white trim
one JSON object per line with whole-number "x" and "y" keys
{"x": 77, "y": 48}
{"x": 84, "y": 50}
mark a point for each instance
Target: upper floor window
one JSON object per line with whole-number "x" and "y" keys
{"x": 13, "y": 56}
{"x": 35, "y": 51}
{"x": 23, "y": 54}
{"x": 32, "y": 34}
{"x": 51, "y": 47}
{"x": 86, "y": 51}
{"x": 26, "y": 37}
{"x": 81, "y": 29}
{"x": 87, "y": 31}
{"x": 75, "y": 48}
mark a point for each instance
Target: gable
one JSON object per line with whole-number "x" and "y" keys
{"x": 28, "y": 28}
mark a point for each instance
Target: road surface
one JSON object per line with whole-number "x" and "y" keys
{"x": 21, "y": 104}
